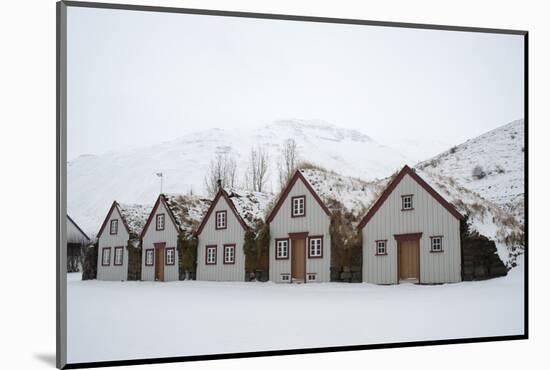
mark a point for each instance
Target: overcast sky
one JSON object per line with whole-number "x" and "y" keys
{"x": 138, "y": 78}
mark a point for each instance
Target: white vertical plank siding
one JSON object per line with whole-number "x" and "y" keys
{"x": 428, "y": 217}
{"x": 233, "y": 234}
{"x": 169, "y": 236}
{"x": 316, "y": 222}
{"x": 112, "y": 272}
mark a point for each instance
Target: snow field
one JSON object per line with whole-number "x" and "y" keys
{"x": 129, "y": 320}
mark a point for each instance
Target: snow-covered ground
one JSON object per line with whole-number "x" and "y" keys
{"x": 129, "y": 320}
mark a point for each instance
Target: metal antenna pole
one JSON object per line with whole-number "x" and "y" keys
{"x": 161, "y": 175}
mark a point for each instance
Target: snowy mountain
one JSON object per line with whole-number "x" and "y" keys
{"x": 129, "y": 176}
{"x": 491, "y": 165}
{"x": 94, "y": 181}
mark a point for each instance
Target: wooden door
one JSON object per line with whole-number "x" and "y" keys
{"x": 298, "y": 259}
{"x": 159, "y": 264}
{"x": 409, "y": 260}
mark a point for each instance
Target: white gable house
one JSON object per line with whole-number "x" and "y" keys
{"x": 221, "y": 234}
{"x": 120, "y": 229}
{"x": 172, "y": 215}
{"x": 411, "y": 233}
{"x": 159, "y": 240}
{"x": 299, "y": 227}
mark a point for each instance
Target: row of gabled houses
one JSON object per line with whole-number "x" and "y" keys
{"x": 409, "y": 232}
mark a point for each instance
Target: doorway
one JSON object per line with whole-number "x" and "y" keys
{"x": 409, "y": 260}
{"x": 298, "y": 268}
{"x": 159, "y": 264}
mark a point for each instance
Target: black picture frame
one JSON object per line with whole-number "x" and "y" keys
{"x": 61, "y": 188}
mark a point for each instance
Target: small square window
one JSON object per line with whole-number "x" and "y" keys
{"x": 221, "y": 220}
{"x": 285, "y": 277}
{"x": 381, "y": 247}
{"x": 299, "y": 206}
{"x": 211, "y": 255}
{"x": 281, "y": 249}
{"x": 170, "y": 256}
{"x": 315, "y": 247}
{"x": 311, "y": 277}
{"x": 437, "y": 244}
{"x": 228, "y": 254}
{"x": 407, "y": 202}
{"x": 149, "y": 257}
{"x": 160, "y": 221}
{"x": 106, "y": 257}
{"x": 119, "y": 254}
{"x": 114, "y": 227}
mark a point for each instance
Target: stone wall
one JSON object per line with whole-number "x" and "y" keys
{"x": 89, "y": 267}
{"x": 480, "y": 260}
{"x": 134, "y": 262}
{"x": 258, "y": 275}
{"x": 346, "y": 274}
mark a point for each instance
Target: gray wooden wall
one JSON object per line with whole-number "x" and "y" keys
{"x": 169, "y": 236}
{"x": 316, "y": 222}
{"x": 428, "y": 217}
{"x": 112, "y": 272}
{"x": 233, "y": 234}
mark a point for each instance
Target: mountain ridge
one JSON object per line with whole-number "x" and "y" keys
{"x": 129, "y": 176}
{"x": 93, "y": 181}
{"x": 491, "y": 164}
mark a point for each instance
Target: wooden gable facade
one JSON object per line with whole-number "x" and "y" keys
{"x": 220, "y": 253}
{"x": 299, "y": 226}
{"x": 113, "y": 237}
{"x": 411, "y": 233}
{"x": 159, "y": 241}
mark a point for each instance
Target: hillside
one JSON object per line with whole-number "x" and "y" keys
{"x": 486, "y": 217}
{"x": 129, "y": 176}
{"x": 93, "y": 182}
{"x": 491, "y": 165}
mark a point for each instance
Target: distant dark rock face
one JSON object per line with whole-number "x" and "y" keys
{"x": 480, "y": 260}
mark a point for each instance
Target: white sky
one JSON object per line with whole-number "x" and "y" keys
{"x": 138, "y": 78}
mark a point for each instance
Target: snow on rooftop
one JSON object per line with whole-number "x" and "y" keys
{"x": 187, "y": 209}
{"x": 135, "y": 216}
{"x": 335, "y": 190}
{"x": 250, "y": 205}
